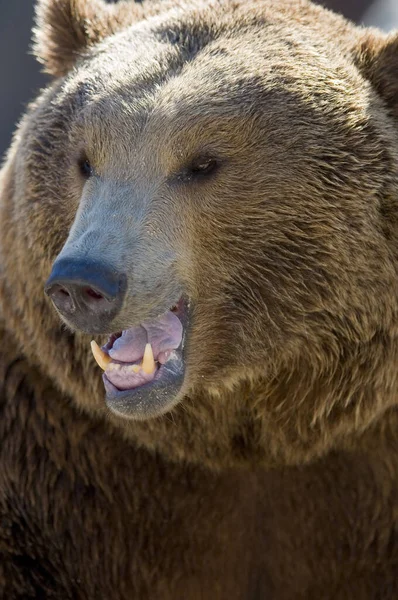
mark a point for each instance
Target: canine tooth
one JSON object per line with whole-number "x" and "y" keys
{"x": 101, "y": 358}
{"x": 148, "y": 362}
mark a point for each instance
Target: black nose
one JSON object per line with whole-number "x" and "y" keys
{"x": 88, "y": 294}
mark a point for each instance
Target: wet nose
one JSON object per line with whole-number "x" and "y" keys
{"x": 88, "y": 294}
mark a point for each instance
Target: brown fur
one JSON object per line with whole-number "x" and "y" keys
{"x": 276, "y": 475}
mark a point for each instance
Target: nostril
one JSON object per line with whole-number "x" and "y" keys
{"x": 86, "y": 293}
{"x": 93, "y": 294}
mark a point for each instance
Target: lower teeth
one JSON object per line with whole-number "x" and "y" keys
{"x": 148, "y": 364}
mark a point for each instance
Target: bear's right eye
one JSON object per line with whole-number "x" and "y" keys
{"x": 85, "y": 167}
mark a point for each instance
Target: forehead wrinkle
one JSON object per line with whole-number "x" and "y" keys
{"x": 222, "y": 82}
{"x": 188, "y": 102}
{"x": 217, "y": 82}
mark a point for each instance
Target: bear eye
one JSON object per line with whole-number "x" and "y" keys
{"x": 85, "y": 167}
{"x": 203, "y": 165}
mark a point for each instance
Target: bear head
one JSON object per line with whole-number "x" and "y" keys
{"x": 210, "y": 190}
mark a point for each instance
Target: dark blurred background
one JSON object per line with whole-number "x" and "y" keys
{"x": 21, "y": 75}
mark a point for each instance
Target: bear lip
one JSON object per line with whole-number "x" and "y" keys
{"x": 130, "y": 391}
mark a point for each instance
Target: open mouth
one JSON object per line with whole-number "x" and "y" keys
{"x": 144, "y": 366}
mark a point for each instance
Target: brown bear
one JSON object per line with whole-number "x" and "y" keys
{"x": 207, "y": 192}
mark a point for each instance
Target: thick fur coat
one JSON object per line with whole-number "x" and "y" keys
{"x": 275, "y": 473}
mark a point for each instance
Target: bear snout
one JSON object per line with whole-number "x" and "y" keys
{"x": 87, "y": 294}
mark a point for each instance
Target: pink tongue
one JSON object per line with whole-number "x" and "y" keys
{"x": 130, "y": 346}
{"x": 165, "y": 333}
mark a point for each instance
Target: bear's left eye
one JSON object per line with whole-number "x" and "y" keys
{"x": 199, "y": 168}
{"x": 203, "y": 165}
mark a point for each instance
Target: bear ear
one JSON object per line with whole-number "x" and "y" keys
{"x": 66, "y": 28}
{"x": 376, "y": 56}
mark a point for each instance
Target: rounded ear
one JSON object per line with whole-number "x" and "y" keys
{"x": 65, "y": 29}
{"x": 376, "y": 56}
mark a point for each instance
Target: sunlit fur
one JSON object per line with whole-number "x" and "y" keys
{"x": 288, "y": 253}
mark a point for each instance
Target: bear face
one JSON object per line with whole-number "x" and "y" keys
{"x": 232, "y": 177}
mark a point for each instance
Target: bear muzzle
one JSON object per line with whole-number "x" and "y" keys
{"x": 144, "y": 365}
